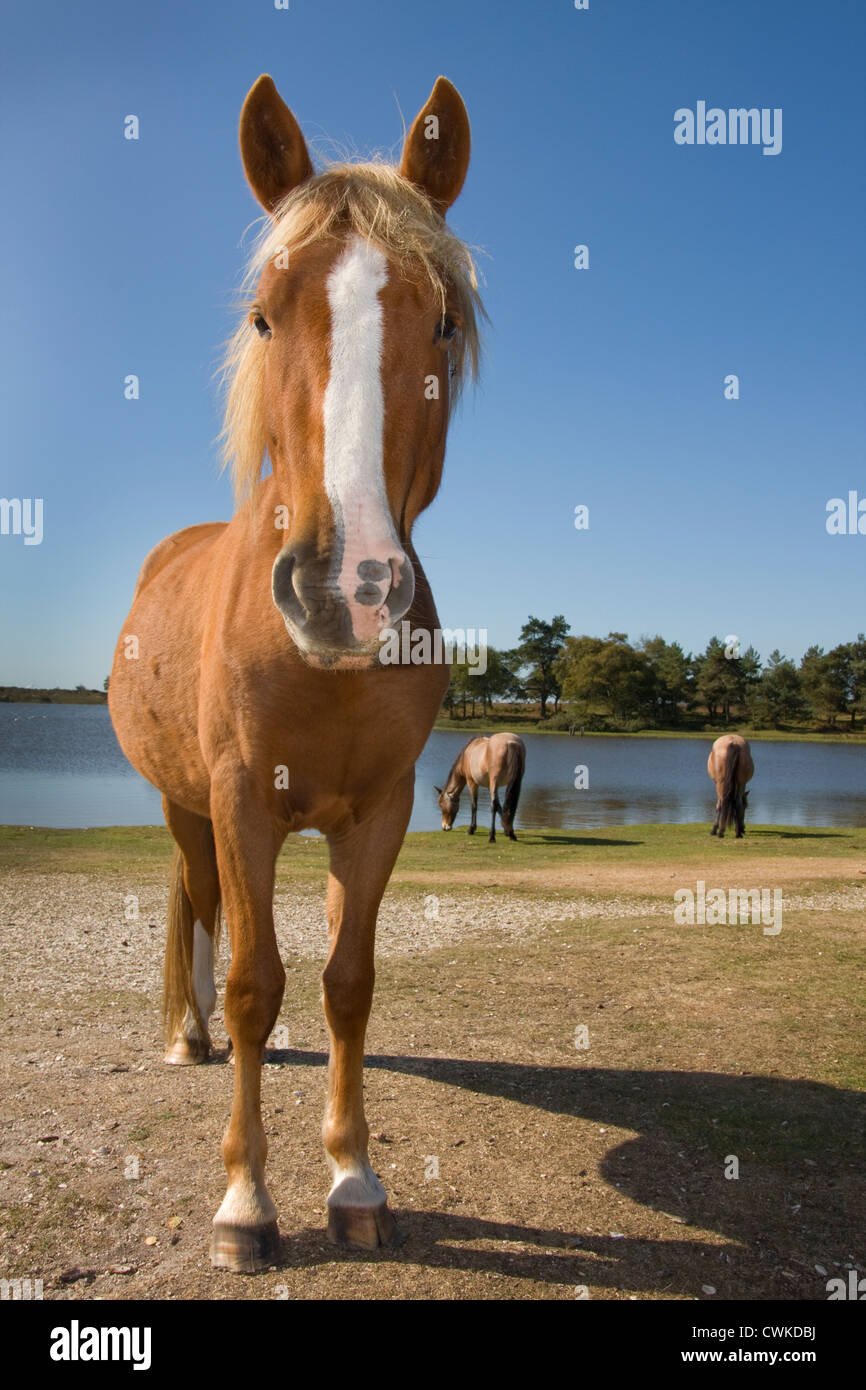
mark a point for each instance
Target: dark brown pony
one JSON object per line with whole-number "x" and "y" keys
{"x": 497, "y": 760}
{"x": 730, "y": 766}
{"x": 247, "y": 684}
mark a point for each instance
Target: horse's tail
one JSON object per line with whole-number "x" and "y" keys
{"x": 512, "y": 794}
{"x": 177, "y": 992}
{"x": 729, "y": 786}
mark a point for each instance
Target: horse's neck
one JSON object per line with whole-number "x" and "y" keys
{"x": 262, "y": 525}
{"x": 457, "y": 779}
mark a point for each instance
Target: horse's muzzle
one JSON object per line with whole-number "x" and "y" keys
{"x": 328, "y": 624}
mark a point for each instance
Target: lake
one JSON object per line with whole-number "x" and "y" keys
{"x": 61, "y": 765}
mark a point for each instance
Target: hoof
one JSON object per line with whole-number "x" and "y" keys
{"x": 491, "y": 839}
{"x": 471, "y": 830}
{"x": 368, "y": 1227}
{"x": 187, "y": 1052}
{"x": 244, "y": 1249}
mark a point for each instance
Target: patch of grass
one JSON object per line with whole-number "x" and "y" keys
{"x": 17, "y": 1217}
{"x": 110, "y": 850}
{"x": 122, "y": 1000}
{"x": 429, "y": 850}
{"x": 304, "y": 858}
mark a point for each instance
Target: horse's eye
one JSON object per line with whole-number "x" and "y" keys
{"x": 446, "y": 329}
{"x": 261, "y": 325}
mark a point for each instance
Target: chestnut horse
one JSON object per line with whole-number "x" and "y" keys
{"x": 730, "y": 766}
{"x": 246, "y": 683}
{"x": 498, "y": 760}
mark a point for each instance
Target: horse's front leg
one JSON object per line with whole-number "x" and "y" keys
{"x": 494, "y": 807}
{"x": 473, "y": 802}
{"x": 361, "y": 864}
{"x": 245, "y": 1234}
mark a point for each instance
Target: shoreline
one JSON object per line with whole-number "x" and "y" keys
{"x": 478, "y": 726}
{"x": 518, "y": 724}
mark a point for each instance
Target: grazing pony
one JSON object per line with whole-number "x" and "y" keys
{"x": 247, "y": 684}
{"x": 730, "y": 766}
{"x": 498, "y": 760}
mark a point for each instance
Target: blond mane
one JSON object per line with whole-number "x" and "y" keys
{"x": 376, "y": 202}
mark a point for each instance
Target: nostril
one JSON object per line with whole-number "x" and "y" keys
{"x": 286, "y": 588}
{"x": 371, "y": 592}
{"x": 374, "y": 569}
{"x": 388, "y": 582}
{"x": 283, "y": 579}
{"x": 370, "y": 595}
{"x": 402, "y": 584}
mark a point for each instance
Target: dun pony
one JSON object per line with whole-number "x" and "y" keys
{"x": 498, "y": 760}
{"x": 730, "y": 766}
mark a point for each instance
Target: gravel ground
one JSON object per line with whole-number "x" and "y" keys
{"x": 556, "y": 1169}
{"x": 85, "y": 920}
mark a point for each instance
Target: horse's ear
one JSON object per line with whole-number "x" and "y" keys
{"x": 436, "y": 152}
{"x": 273, "y": 150}
{"x": 438, "y": 789}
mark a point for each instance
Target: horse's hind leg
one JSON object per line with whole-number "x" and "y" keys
{"x": 361, "y": 864}
{"x": 473, "y": 801}
{"x": 189, "y": 990}
{"x": 739, "y": 815}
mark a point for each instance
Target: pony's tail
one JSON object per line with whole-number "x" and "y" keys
{"x": 177, "y": 991}
{"x": 512, "y": 792}
{"x": 726, "y": 813}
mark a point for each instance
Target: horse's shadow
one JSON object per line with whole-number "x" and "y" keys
{"x": 534, "y": 836}
{"x": 756, "y": 832}
{"x": 797, "y": 1202}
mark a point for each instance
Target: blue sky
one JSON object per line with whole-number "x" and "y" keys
{"x": 602, "y": 386}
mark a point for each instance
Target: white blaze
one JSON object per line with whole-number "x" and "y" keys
{"x": 354, "y": 415}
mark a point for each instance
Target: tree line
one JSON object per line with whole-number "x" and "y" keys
{"x": 610, "y": 683}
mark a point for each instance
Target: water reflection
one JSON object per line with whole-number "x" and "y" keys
{"x": 61, "y": 765}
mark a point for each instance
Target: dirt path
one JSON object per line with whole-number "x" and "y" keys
{"x": 520, "y": 1165}
{"x": 588, "y": 875}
